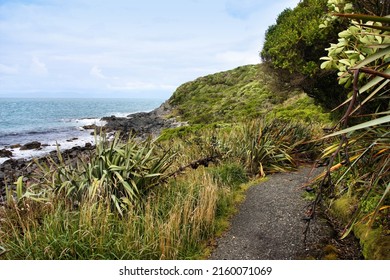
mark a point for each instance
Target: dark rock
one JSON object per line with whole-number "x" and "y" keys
{"x": 15, "y": 146}
{"x": 90, "y": 126}
{"x": 31, "y": 146}
{"x": 73, "y": 139}
{"x": 142, "y": 124}
{"x": 112, "y": 118}
{"x": 94, "y": 127}
{"x": 5, "y": 153}
{"x": 88, "y": 145}
{"x": 73, "y": 154}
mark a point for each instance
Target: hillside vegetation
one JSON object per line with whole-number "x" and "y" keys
{"x": 241, "y": 94}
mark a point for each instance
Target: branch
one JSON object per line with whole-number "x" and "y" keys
{"x": 372, "y": 72}
{"x": 327, "y": 180}
{"x": 195, "y": 164}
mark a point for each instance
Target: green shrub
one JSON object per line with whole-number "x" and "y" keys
{"x": 229, "y": 174}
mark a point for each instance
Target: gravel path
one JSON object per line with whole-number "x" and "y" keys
{"x": 269, "y": 222}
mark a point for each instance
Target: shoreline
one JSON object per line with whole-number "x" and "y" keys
{"x": 142, "y": 125}
{"x": 46, "y": 148}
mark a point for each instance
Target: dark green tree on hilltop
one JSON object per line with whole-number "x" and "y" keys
{"x": 294, "y": 45}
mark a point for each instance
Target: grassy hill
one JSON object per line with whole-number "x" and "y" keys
{"x": 241, "y": 94}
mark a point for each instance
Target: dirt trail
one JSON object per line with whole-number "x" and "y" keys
{"x": 269, "y": 222}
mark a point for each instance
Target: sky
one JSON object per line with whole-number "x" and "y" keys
{"x": 126, "y": 48}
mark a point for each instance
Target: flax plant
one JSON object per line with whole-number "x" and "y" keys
{"x": 123, "y": 171}
{"x": 267, "y": 146}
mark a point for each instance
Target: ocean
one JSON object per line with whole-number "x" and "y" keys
{"x": 56, "y": 120}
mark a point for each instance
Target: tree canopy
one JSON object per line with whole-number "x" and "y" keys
{"x": 294, "y": 45}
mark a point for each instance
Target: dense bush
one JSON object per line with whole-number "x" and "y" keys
{"x": 294, "y": 45}
{"x": 357, "y": 177}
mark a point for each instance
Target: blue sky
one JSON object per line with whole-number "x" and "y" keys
{"x": 125, "y": 48}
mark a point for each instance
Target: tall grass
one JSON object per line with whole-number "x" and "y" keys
{"x": 121, "y": 203}
{"x": 169, "y": 226}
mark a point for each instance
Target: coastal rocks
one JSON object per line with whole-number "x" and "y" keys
{"x": 16, "y": 146}
{"x": 142, "y": 124}
{"x": 90, "y": 126}
{"x": 12, "y": 169}
{"x": 93, "y": 127}
{"x": 5, "y": 153}
{"x": 70, "y": 155}
{"x": 31, "y": 146}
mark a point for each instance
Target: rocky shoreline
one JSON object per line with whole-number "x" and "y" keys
{"x": 141, "y": 125}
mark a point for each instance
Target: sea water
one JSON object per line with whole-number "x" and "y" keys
{"x": 56, "y": 120}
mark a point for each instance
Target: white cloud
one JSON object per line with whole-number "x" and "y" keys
{"x": 8, "y": 70}
{"x": 38, "y": 67}
{"x": 97, "y": 73}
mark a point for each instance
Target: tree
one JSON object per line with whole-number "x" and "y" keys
{"x": 294, "y": 45}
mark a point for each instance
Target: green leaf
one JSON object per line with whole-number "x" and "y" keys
{"x": 386, "y": 192}
{"x": 322, "y": 26}
{"x": 349, "y": 229}
{"x": 378, "y": 89}
{"x": 2, "y": 250}
{"x": 153, "y": 175}
{"x": 326, "y": 64}
{"x": 372, "y": 58}
{"x": 131, "y": 191}
{"x": 344, "y": 34}
{"x": 116, "y": 203}
{"x": 19, "y": 187}
{"x": 345, "y": 61}
{"x": 365, "y": 17}
{"x": 378, "y": 121}
{"x": 373, "y": 82}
